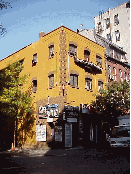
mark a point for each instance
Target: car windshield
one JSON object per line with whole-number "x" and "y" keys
{"x": 121, "y": 131}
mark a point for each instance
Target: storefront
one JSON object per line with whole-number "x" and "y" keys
{"x": 90, "y": 127}
{"x": 58, "y": 130}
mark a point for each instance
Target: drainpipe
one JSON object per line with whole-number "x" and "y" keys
{"x": 110, "y": 22}
{"x": 56, "y": 68}
{"x": 68, "y": 68}
{"x": 48, "y": 99}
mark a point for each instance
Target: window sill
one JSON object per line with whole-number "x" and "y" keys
{"x": 72, "y": 55}
{"x": 74, "y": 87}
{"x": 50, "y": 57}
{"x": 51, "y": 87}
{"x": 89, "y": 90}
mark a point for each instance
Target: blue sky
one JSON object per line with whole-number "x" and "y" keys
{"x": 27, "y": 18}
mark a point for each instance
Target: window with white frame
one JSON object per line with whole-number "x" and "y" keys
{"x": 117, "y": 33}
{"x": 116, "y": 20}
{"x": 109, "y": 72}
{"x": 120, "y": 72}
{"x": 88, "y": 84}
{"x": 51, "y": 81}
{"x": 109, "y": 69}
{"x": 107, "y": 23}
{"x": 100, "y": 85}
{"x": 125, "y": 76}
{"x": 74, "y": 80}
{"x": 73, "y": 50}
{"x": 114, "y": 73}
{"x": 128, "y": 76}
{"x": 51, "y": 51}
{"x": 87, "y": 55}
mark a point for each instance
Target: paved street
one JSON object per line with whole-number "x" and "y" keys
{"x": 70, "y": 161}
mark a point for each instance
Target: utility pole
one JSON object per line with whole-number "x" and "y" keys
{"x": 14, "y": 132}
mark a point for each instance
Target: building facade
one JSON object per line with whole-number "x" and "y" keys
{"x": 114, "y": 25}
{"x": 66, "y": 70}
{"x": 116, "y": 66}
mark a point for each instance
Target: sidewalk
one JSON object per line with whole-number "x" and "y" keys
{"x": 55, "y": 152}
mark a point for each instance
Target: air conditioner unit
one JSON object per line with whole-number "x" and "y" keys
{"x": 34, "y": 61}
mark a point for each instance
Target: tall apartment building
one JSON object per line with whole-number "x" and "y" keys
{"x": 66, "y": 70}
{"x": 116, "y": 67}
{"x": 115, "y": 26}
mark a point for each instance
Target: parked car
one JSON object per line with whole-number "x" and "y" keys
{"x": 120, "y": 136}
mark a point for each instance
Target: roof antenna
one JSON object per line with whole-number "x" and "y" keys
{"x": 81, "y": 27}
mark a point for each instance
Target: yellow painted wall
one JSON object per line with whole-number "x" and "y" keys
{"x": 45, "y": 65}
{"x": 81, "y": 95}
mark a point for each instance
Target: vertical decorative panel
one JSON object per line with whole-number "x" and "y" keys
{"x": 63, "y": 65}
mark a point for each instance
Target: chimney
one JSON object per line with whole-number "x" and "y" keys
{"x": 41, "y": 34}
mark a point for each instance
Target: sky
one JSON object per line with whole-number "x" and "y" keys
{"x": 27, "y": 18}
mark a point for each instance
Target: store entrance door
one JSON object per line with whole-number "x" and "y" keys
{"x": 68, "y": 134}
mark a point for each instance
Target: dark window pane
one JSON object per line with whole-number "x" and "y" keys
{"x": 73, "y": 50}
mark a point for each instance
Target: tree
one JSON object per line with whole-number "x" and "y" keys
{"x": 112, "y": 102}
{"x": 3, "y": 5}
{"x": 15, "y": 102}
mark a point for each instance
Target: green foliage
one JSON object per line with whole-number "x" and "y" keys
{"x": 112, "y": 101}
{"x": 2, "y": 6}
{"x": 13, "y": 100}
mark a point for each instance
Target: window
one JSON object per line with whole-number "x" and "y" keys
{"x": 73, "y": 50}
{"x": 51, "y": 81}
{"x": 107, "y": 23}
{"x": 109, "y": 73}
{"x": 100, "y": 85}
{"x": 88, "y": 84}
{"x": 128, "y": 4}
{"x": 99, "y": 27}
{"x": 128, "y": 76}
{"x": 125, "y": 76}
{"x": 117, "y": 55}
{"x": 117, "y": 33}
{"x": 74, "y": 80}
{"x": 114, "y": 73}
{"x": 34, "y": 61}
{"x": 99, "y": 61}
{"x": 34, "y": 89}
{"x": 109, "y": 69}
{"x": 109, "y": 36}
{"x": 87, "y": 55}
{"x": 116, "y": 20}
{"x": 51, "y": 51}
{"x": 120, "y": 72}
{"x": 22, "y": 61}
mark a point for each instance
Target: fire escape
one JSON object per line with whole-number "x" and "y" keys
{"x": 88, "y": 66}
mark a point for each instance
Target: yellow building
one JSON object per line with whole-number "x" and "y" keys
{"x": 65, "y": 69}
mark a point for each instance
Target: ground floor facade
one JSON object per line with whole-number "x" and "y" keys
{"x": 61, "y": 125}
